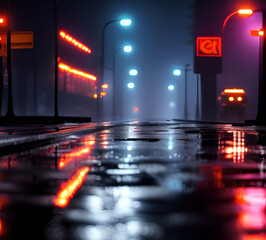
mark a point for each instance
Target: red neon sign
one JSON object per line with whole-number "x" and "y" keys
{"x": 76, "y": 71}
{"x": 209, "y": 47}
{"x": 76, "y": 43}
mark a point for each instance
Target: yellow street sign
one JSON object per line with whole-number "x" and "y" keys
{"x": 19, "y": 40}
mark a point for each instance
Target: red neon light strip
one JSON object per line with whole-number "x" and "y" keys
{"x": 76, "y": 43}
{"x": 68, "y": 157}
{"x": 76, "y": 71}
{"x": 69, "y": 188}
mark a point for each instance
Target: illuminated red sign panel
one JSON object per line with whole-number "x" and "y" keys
{"x": 209, "y": 47}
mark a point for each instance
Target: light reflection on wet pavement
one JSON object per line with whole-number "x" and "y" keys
{"x": 158, "y": 180}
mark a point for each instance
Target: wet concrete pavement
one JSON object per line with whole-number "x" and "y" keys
{"x": 137, "y": 180}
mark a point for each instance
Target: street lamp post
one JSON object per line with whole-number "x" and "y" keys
{"x": 176, "y": 72}
{"x": 185, "y": 106}
{"x": 261, "y": 114}
{"x": 56, "y": 62}
{"x": 124, "y": 23}
{"x": 243, "y": 12}
{"x": 126, "y": 49}
{"x": 10, "y": 110}
{"x": 197, "y": 101}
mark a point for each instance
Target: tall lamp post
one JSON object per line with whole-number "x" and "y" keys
{"x": 261, "y": 114}
{"x": 126, "y": 49}
{"x": 197, "y": 100}
{"x": 243, "y": 12}
{"x": 124, "y": 23}
{"x": 185, "y": 106}
{"x": 176, "y": 72}
{"x": 10, "y": 109}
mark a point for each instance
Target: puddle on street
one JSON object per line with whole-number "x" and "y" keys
{"x": 136, "y": 181}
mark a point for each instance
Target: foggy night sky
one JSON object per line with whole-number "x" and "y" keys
{"x": 161, "y": 35}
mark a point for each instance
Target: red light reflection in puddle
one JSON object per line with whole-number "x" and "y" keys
{"x": 253, "y": 204}
{"x": 237, "y": 150}
{"x": 254, "y": 237}
{"x": 1, "y": 227}
{"x": 69, "y": 188}
{"x": 66, "y": 158}
{"x": 4, "y": 203}
{"x": 213, "y": 176}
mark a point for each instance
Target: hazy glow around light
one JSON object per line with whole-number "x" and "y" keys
{"x": 239, "y": 99}
{"x": 171, "y": 104}
{"x": 131, "y": 85}
{"x": 177, "y": 72}
{"x": 133, "y": 72}
{"x": 105, "y": 86}
{"x": 125, "y": 22}
{"x": 261, "y": 33}
{"x": 129, "y": 148}
{"x": 170, "y": 147}
{"x": 171, "y": 87}
{"x": 1, "y": 20}
{"x": 127, "y": 48}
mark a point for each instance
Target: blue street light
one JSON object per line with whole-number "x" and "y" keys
{"x": 133, "y": 72}
{"x": 130, "y": 85}
{"x": 171, "y": 87}
{"x": 171, "y": 104}
{"x": 127, "y": 48}
{"x": 125, "y": 22}
{"x": 177, "y": 72}
{"x": 170, "y": 147}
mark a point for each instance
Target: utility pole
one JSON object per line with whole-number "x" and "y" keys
{"x": 261, "y": 115}
{"x": 185, "y": 106}
{"x": 197, "y": 100}
{"x": 56, "y": 63}
{"x": 10, "y": 111}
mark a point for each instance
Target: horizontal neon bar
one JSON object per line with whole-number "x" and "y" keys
{"x": 245, "y": 11}
{"x": 234, "y": 90}
{"x": 76, "y": 71}
{"x": 76, "y": 43}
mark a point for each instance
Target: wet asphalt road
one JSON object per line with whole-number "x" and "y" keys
{"x": 140, "y": 180}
